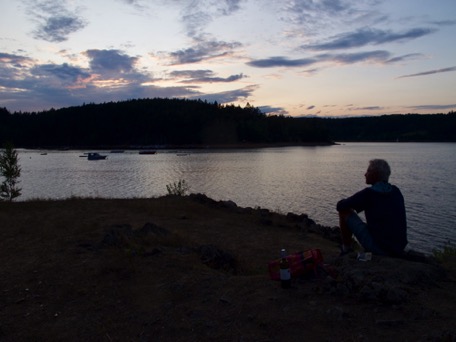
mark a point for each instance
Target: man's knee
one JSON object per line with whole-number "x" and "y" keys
{"x": 344, "y": 214}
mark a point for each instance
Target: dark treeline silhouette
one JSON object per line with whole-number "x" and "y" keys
{"x": 398, "y": 127}
{"x": 150, "y": 122}
{"x": 197, "y": 123}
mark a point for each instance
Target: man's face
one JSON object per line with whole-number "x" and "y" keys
{"x": 371, "y": 176}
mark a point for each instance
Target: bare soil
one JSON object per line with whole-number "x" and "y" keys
{"x": 192, "y": 269}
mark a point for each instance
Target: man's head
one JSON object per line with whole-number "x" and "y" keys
{"x": 378, "y": 171}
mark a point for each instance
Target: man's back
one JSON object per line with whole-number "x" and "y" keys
{"x": 385, "y": 215}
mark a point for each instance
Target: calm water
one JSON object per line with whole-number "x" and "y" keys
{"x": 297, "y": 179}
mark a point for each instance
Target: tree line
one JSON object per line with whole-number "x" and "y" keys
{"x": 159, "y": 121}
{"x": 194, "y": 123}
{"x": 399, "y": 127}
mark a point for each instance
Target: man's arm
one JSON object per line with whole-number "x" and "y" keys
{"x": 356, "y": 202}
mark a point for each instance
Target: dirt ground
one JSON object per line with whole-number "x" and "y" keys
{"x": 192, "y": 269}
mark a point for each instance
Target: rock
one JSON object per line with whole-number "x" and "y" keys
{"x": 117, "y": 235}
{"x": 228, "y": 204}
{"x": 150, "y": 228}
{"x": 385, "y": 279}
{"x": 217, "y": 259}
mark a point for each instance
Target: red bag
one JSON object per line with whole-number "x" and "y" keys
{"x": 300, "y": 263}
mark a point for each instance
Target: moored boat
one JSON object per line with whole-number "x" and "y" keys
{"x": 95, "y": 156}
{"x": 147, "y": 152}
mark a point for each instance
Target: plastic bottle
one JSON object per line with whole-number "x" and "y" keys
{"x": 285, "y": 275}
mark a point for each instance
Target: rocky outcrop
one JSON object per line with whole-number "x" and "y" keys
{"x": 384, "y": 279}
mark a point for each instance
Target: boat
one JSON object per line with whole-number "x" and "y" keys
{"x": 147, "y": 152}
{"x": 95, "y": 156}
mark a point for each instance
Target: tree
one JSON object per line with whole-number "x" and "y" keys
{"x": 11, "y": 171}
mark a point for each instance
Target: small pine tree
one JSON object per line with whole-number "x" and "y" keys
{"x": 11, "y": 171}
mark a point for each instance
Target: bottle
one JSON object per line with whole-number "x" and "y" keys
{"x": 285, "y": 275}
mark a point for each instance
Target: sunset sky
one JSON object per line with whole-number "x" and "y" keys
{"x": 298, "y": 58}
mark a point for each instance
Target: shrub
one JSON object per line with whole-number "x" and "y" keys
{"x": 11, "y": 171}
{"x": 181, "y": 188}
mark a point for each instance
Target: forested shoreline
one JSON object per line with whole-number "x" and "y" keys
{"x": 162, "y": 122}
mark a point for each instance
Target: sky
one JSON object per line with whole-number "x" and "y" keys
{"x": 327, "y": 58}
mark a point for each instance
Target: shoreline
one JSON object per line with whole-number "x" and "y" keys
{"x": 239, "y": 146}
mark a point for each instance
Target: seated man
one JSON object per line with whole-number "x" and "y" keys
{"x": 385, "y": 232}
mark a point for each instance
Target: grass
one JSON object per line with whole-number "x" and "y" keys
{"x": 448, "y": 251}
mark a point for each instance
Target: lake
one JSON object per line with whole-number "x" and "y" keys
{"x": 306, "y": 180}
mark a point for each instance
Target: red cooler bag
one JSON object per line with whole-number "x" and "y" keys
{"x": 300, "y": 263}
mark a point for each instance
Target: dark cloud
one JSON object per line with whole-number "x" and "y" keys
{"x": 310, "y": 107}
{"x": 110, "y": 61}
{"x": 64, "y": 72}
{"x": 57, "y": 29}
{"x": 379, "y": 56}
{"x": 350, "y": 58}
{"x": 56, "y": 22}
{"x": 431, "y": 72}
{"x": 434, "y": 107}
{"x": 111, "y": 64}
{"x": 203, "y": 76}
{"x": 280, "y": 61}
{"x": 203, "y": 50}
{"x": 368, "y": 36}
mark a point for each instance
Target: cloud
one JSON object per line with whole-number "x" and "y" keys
{"x": 56, "y": 29}
{"x": 367, "y": 36}
{"x": 111, "y": 75}
{"x": 55, "y": 21}
{"x": 280, "y": 61}
{"x": 310, "y": 107}
{"x": 445, "y": 23}
{"x": 368, "y": 108}
{"x": 11, "y": 60}
{"x": 379, "y": 56}
{"x": 273, "y": 110}
{"x": 203, "y": 76}
{"x": 203, "y": 50}
{"x": 315, "y": 17}
{"x": 229, "y": 96}
{"x": 431, "y": 72}
{"x": 434, "y": 107}
{"x": 403, "y": 58}
{"x": 110, "y": 61}
{"x": 14, "y": 69}
{"x": 197, "y": 14}
{"x": 350, "y": 58}
{"x": 64, "y": 74}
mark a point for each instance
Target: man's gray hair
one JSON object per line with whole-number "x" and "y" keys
{"x": 381, "y": 168}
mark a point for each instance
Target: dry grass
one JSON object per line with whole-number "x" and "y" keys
{"x": 58, "y": 282}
